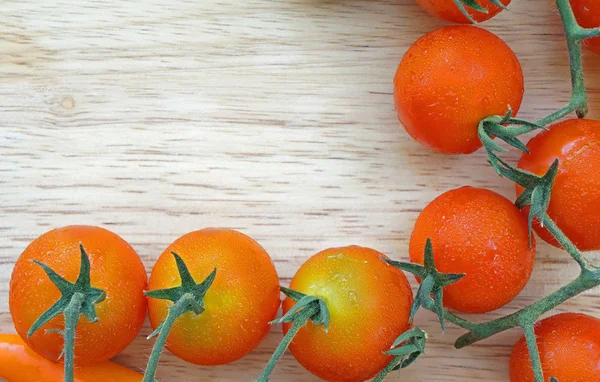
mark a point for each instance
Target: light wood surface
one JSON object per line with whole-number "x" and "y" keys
{"x": 274, "y": 117}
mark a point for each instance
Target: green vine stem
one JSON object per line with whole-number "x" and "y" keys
{"x": 77, "y": 298}
{"x": 535, "y": 196}
{"x": 307, "y": 308}
{"x": 534, "y": 352}
{"x": 188, "y": 297}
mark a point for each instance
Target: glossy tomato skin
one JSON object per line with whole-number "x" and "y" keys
{"x": 115, "y": 268}
{"x": 369, "y": 302}
{"x": 569, "y": 346}
{"x": 448, "y": 11}
{"x": 575, "y": 199}
{"x": 241, "y": 302}
{"x": 587, "y": 13}
{"x": 451, "y": 79}
{"x": 483, "y": 235}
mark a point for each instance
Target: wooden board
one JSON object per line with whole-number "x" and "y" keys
{"x": 274, "y": 117}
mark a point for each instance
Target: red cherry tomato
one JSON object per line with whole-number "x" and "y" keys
{"x": 451, "y": 79}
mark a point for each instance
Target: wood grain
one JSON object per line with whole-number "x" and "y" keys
{"x": 274, "y": 117}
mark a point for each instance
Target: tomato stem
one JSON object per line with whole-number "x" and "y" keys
{"x": 588, "y": 278}
{"x": 300, "y": 320}
{"x": 534, "y": 353}
{"x": 182, "y": 306}
{"x": 72, "y": 314}
{"x": 76, "y": 299}
{"x": 188, "y": 297}
{"x": 565, "y": 242}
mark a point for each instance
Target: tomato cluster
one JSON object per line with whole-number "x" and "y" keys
{"x": 213, "y": 293}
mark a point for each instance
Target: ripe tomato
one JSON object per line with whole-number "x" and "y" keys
{"x": 241, "y": 302}
{"x": 115, "y": 268}
{"x": 483, "y": 235}
{"x": 451, "y": 79}
{"x": 575, "y": 199}
{"x": 587, "y": 13}
{"x": 569, "y": 346}
{"x": 449, "y": 11}
{"x": 369, "y": 302}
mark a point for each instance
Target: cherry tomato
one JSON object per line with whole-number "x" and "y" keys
{"x": 241, "y": 302}
{"x": 569, "y": 346}
{"x": 483, "y": 235}
{"x": 449, "y": 11}
{"x": 18, "y": 363}
{"x": 451, "y": 79}
{"x": 575, "y": 199}
{"x": 369, "y": 302}
{"x": 115, "y": 268}
{"x": 587, "y": 13}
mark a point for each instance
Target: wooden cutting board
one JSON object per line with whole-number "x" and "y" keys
{"x": 274, "y": 117}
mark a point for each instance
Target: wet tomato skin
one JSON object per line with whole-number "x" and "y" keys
{"x": 587, "y": 14}
{"x": 115, "y": 268}
{"x": 241, "y": 302}
{"x": 483, "y": 235}
{"x": 448, "y": 11}
{"x": 451, "y": 79}
{"x": 575, "y": 199}
{"x": 569, "y": 346}
{"x": 369, "y": 302}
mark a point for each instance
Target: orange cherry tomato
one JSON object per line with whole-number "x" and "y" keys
{"x": 575, "y": 199}
{"x": 115, "y": 268}
{"x": 18, "y": 363}
{"x": 587, "y": 13}
{"x": 241, "y": 302}
{"x": 569, "y": 346}
{"x": 483, "y": 235}
{"x": 451, "y": 79}
{"x": 369, "y": 302}
{"x": 449, "y": 11}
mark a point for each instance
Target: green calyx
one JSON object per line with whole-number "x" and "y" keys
{"x": 77, "y": 298}
{"x": 307, "y": 308}
{"x": 432, "y": 283}
{"x": 475, "y": 6}
{"x": 506, "y": 128}
{"x": 409, "y": 346}
{"x": 188, "y": 297}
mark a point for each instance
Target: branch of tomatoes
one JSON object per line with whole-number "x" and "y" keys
{"x": 536, "y": 197}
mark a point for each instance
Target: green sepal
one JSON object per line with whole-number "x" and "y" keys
{"x": 432, "y": 282}
{"x": 293, "y": 294}
{"x": 495, "y": 126}
{"x": 92, "y": 296}
{"x": 408, "y": 347}
{"x": 552, "y": 379}
{"x": 303, "y": 302}
{"x": 536, "y": 193}
{"x": 188, "y": 286}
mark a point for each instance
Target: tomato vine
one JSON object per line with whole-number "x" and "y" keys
{"x": 536, "y": 196}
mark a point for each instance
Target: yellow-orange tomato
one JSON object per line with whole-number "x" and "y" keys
{"x": 569, "y": 347}
{"x": 451, "y": 79}
{"x": 115, "y": 268}
{"x": 369, "y": 302}
{"x": 449, "y": 11}
{"x": 241, "y": 302}
{"x": 587, "y": 13}
{"x": 575, "y": 199}
{"x": 483, "y": 235}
